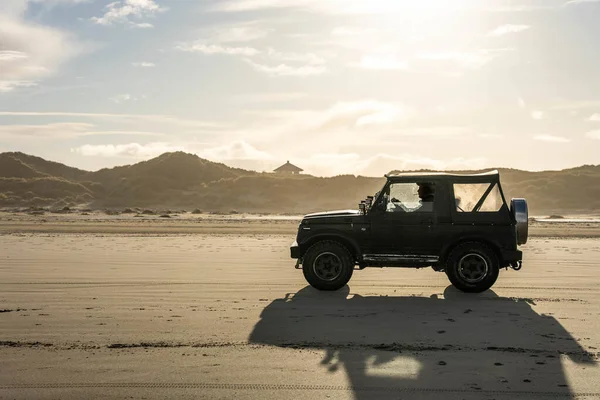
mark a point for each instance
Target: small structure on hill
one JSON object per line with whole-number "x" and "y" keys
{"x": 288, "y": 168}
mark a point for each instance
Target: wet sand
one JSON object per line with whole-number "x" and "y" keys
{"x": 169, "y": 311}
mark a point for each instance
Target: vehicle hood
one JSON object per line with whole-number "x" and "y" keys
{"x": 337, "y": 213}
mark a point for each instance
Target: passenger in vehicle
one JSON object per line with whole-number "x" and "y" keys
{"x": 458, "y": 201}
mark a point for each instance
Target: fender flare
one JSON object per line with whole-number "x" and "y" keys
{"x": 470, "y": 238}
{"x": 343, "y": 239}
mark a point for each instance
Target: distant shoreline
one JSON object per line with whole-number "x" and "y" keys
{"x": 583, "y": 217}
{"x": 97, "y": 222}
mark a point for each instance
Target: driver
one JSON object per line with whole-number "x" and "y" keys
{"x": 426, "y": 194}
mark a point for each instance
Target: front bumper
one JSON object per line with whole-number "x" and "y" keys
{"x": 295, "y": 250}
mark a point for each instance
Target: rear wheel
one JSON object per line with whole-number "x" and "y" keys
{"x": 327, "y": 265}
{"x": 472, "y": 267}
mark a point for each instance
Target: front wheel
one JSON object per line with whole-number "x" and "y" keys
{"x": 472, "y": 267}
{"x": 327, "y": 265}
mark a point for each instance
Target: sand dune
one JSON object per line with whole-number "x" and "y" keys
{"x": 180, "y": 180}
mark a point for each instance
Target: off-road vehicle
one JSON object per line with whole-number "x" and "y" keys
{"x": 455, "y": 223}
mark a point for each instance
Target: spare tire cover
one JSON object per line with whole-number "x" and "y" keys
{"x": 518, "y": 208}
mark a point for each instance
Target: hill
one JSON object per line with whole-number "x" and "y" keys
{"x": 181, "y": 180}
{"x": 11, "y": 167}
{"x": 43, "y": 167}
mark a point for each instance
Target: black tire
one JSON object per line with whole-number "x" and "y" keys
{"x": 472, "y": 267}
{"x": 327, "y": 265}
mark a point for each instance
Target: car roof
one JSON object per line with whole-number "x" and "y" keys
{"x": 489, "y": 176}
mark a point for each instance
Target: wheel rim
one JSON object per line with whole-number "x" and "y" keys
{"x": 327, "y": 266}
{"x": 473, "y": 268}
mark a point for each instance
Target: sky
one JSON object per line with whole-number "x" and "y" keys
{"x": 334, "y": 86}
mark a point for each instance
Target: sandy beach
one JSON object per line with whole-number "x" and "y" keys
{"x": 213, "y": 308}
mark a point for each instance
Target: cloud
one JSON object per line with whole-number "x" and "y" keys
{"x": 469, "y": 60}
{"x": 290, "y": 64}
{"x": 121, "y": 98}
{"x": 490, "y": 136}
{"x": 364, "y": 39}
{"x": 288, "y": 70}
{"x": 216, "y": 49}
{"x": 9, "y": 86}
{"x": 342, "y": 124}
{"x": 238, "y": 150}
{"x": 574, "y": 2}
{"x": 551, "y": 138}
{"x": 143, "y": 64}
{"x": 348, "y": 114}
{"x": 143, "y": 25}
{"x": 367, "y": 112}
{"x": 61, "y": 130}
{"x": 215, "y": 41}
{"x": 436, "y": 131}
{"x": 593, "y": 134}
{"x": 248, "y": 5}
{"x": 374, "y": 7}
{"x": 126, "y": 11}
{"x": 312, "y": 64}
{"x": 514, "y": 8}
{"x": 235, "y": 33}
{"x": 275, "y": 97}
{"x": 135, "y": 150}
{"x": 308, "y": 58}
{"x": 594, "y": 117}
{"x": 30, "y": 52}
{"x": 506, "y": 29}
{"x": 134, "y": 118}
{"x": 382, "y": 62}
{"x": 53, "y": 130}
{"x": 12, "y": 55}
{"x": 345, "y": 31}
{"x": 564, "y": 105}
{"x": 536, "y": 114}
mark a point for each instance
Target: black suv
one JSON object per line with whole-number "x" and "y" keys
{"x": 459, "y": 224}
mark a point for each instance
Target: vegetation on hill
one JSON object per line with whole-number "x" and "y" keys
{"x": 181, "y": 180}
{"x": 44, "y": 167}
{"x": 11, "y": 167}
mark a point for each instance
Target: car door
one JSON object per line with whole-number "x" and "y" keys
{"x": 404, "y": 226}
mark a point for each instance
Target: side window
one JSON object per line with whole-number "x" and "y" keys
{"x": 468, "y": 195}
{"x": 410, "y": 197}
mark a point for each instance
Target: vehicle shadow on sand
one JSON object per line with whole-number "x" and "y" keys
{"x": 453, "y": 345}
